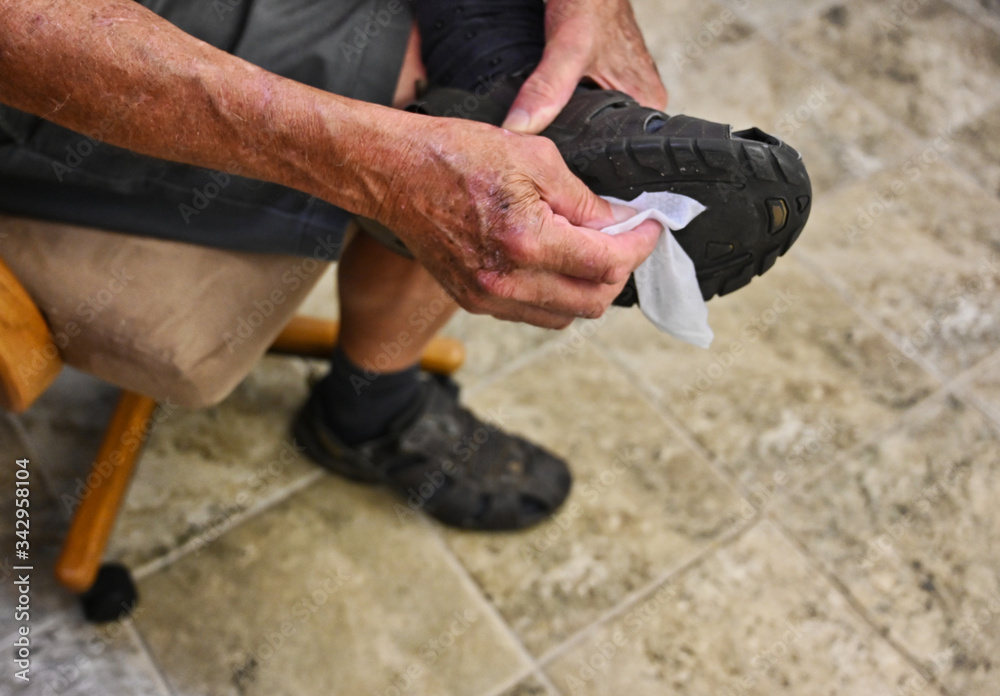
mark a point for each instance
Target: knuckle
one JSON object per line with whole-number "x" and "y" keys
{"x": 492, "y": 284}
{"x": 541, "y": 149}
{"x": 522, "y": 248}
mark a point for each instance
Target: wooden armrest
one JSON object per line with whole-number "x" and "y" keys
{"x": 29, "y": 360}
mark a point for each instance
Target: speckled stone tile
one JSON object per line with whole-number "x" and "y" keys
{"x": 491, "y": 344}
{"x": 839, "y": 136}
{"x": 73, "y": 658}
{"x": 977, "y": 149}
{"x": 41, "y": 537}
{"x": 201, "y": 468}
{"x": 776, "y": 15}
{"x": 912, "y": 64}
{"x": 531, "y": 686}
{"x": 909, "y": 526}
{"x": 754, "y": 618}
{"x": 683, "y": 38}
{"x": 793, "y": 377}
{"x": 642, "y": 501}
{"x": 329, "y": 592}
{"x": 919, "y": 246}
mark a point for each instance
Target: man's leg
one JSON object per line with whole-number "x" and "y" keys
{"x": 375, "y": 418}
{"x": 390, "y": 308}
{"x": 389, "y": 305}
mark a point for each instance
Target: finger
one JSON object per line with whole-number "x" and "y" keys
{"x": 554, "y": 294}
{"x": 549, "y": 87}
{"x": 509, "y": 310}
{"x": 587, "y": 254}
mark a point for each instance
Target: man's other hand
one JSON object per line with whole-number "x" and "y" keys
{"x": 598, "y": 39}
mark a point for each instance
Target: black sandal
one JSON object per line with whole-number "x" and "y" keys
{"x": 755, "y": 187}
{"x": 447, "y": 462}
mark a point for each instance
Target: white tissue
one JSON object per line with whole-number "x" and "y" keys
{"x": 669, "y": 294}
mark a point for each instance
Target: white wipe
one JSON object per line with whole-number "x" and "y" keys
{"x": 669, "y": 294}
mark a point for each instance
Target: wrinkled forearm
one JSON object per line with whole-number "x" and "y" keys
{"x": 114, "y": 68}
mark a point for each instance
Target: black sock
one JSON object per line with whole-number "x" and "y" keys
{"x": 466, "y": 43}
{"x": 360, "y": 406}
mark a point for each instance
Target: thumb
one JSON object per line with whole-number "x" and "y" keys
{"x": 547, "y": 91}
{"x": 569, "y": 197}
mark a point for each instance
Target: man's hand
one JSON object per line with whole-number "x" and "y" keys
{"x": 498, "y": 219}
{"x": 598, "y": 39}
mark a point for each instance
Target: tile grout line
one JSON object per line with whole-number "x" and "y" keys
{"x": 976, "y": 14}
{"x": 637, "y": 596}
{"x": 245, "y": 515}
{"x": 686, "y": 437}
{"x": 946, "y": 383}
{"x": 862, "y": 312}
{"x": 964, "y": 393}
{"x": 154, "y": 665}
{"x": 519, "y": 362}
{"x": 465, "y": 578}
{"x": 543, "y": 677}
{"x": 841, "y": 588}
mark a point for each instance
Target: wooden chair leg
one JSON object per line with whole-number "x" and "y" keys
{"x": 95, "y": 515}
{"x": 315, "y": 338}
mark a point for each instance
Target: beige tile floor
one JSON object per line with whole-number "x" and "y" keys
{"x": 807, "y": 508}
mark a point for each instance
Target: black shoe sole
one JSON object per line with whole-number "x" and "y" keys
{"x": 755, "y": 187}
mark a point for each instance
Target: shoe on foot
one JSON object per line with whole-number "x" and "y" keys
{"x": 754, "y": 186}
{"x": 445, "y": 461}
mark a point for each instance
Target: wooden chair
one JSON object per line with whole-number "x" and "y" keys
{"x": 30, "y": 360}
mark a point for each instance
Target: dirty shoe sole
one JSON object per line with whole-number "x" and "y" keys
{"x": 754, "y": 186}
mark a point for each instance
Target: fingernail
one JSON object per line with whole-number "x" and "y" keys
{"x": 622, "y": 212}
{"x": 518, "y": 120}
